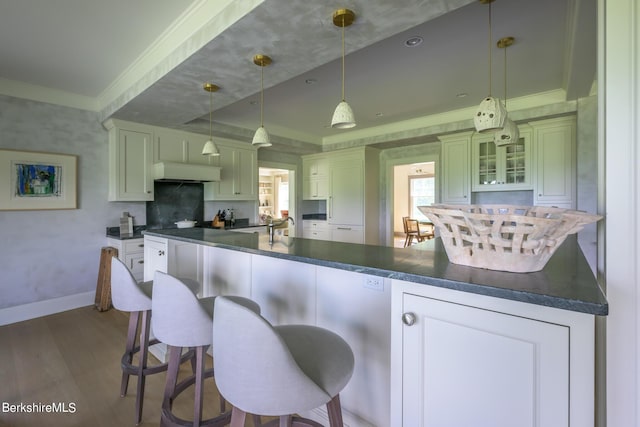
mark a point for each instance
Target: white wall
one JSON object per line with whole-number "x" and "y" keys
{"x": 55, "y": 253}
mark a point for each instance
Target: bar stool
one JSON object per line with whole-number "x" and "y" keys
{"x": 277, "y": 370}
{"x": 180, "y": 320}
{"x": 130, "y": 296}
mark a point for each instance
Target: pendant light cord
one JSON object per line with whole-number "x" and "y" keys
{"x": 505, "y": 77}
{"x": 210, "y": 116}
{"x": 262, "y": 94}
{"x": 343, "y": 58}
{"x": 490, "y": 37}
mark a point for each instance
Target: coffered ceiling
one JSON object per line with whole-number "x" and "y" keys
{"x": 146, "y": 60}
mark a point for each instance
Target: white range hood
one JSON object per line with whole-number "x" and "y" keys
{"x": 174, "y": 171}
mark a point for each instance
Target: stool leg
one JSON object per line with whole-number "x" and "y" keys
{"x": 142, "y": 364}
{"x": 257, "y": 422}
{"x": 237, "y": 417}
{"x": 172, "y": 373}
{"x": 197, "y": 404}
{"x": 334, "y": 411}
{"x": 285, "y": 421}
{"x": 131, "y": 343}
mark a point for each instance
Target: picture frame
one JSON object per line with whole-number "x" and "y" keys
{"x": 31, "y": 180}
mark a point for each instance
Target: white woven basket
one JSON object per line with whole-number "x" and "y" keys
{"x": 504, "y": 237}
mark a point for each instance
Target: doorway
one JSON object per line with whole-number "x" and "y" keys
{"x": 414, "y": 184}
{"x": 276, "y": 192}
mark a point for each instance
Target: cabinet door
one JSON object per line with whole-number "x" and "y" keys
{"x": 155, "y": 257}
{"x": 238, "y": 175}
{"x": 555, "y": 165}
{"x": 226, "y": 272}
{"x": 185, "y": 261}
{"x": 346, "y": 192}
{"x": 315, "y": 178}
{"x": 347, "y": 233}
{"x": 131, "y": 178}
{"x": 168, "y": 147}
{"x": 504, "y": 168}
{"x": 464, "y": 366}
{"x": 455, "y": 169}
{"x": 246, "y": 179}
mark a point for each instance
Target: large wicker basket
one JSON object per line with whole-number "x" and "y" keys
{"x": 504, "y": 237}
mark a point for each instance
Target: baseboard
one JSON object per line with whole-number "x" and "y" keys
{"x": 37, "y": 309}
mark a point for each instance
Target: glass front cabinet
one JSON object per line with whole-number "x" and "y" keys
{"x": 502, "y": 168}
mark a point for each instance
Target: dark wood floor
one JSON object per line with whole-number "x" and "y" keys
{"x": 74, "y": 358}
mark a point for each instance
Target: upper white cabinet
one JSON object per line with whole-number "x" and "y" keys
{"x": 181, "y": 147}
{"x": 130, "y": 162}
{"x": 238, "y": 175}
{"x": 555, "y": 170}
{"x": 315, "y": 179}
{"x": 501, "y": 168}
{"x": 456, "y": 168}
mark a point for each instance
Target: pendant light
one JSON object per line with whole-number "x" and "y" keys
{"x": 343, "y": 117}
{"x": 210, "y": 148}
{"x": 491, "y": 114}
{"x": 509, "y": 133}
{"x": 261, "y": 137}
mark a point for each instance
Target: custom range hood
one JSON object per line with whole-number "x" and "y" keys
{"x": 174, "y": 171}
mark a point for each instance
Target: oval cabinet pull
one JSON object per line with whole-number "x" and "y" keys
{"x": 408, "y": 319}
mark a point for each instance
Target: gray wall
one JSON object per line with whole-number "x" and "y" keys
{"x": 55, "y": 253}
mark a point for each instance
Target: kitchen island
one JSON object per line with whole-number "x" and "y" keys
{"x": 525, "y": 340}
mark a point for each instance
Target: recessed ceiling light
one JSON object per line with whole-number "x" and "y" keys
{"x": 253, "y": 102}
{"x": 413, "y": 41}
{"x": 311, "y": 81}
{"x": 461, "y": 95}
{"x": 379, "y": 114}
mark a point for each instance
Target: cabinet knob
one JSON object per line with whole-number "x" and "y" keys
{"x": 141, "y": 262}
{"x": 160, "y": 253}
{"x": 408, "y": 319}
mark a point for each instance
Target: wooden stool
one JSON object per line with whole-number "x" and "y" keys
{"x": 103, "y": 287}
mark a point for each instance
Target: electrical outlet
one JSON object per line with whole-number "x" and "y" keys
{"x": 374, "y": 282}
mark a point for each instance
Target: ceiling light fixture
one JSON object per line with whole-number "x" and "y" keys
{"x": 491, "y": 114}
{"x": 509, "y": 133}
{"x": 343, "y": 117}
{"x": 210, "y": 148}
{"x": 261, "y": 137}
{"x": 413, "y": 41}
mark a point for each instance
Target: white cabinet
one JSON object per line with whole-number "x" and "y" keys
{"x": 493, "y": 362}
{"x": 315, "y": 229}
{"x": 130, "y": 163}
{"x": 554, "y": 145}
{"x": 184, "y": 261}
{"x": 130, "y": 252}
{"x": 456, "y": 183}
{"x": 226, "y": 272}
{"x": 347, "y": 233}
{"x": 503, "y": 168}
{"x": 315, "y": 177}
{"x": 155, "y": 256}
{"x": 238, "y": 175}
{"x": 180, "y": 147}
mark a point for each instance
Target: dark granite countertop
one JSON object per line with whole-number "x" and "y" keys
{"x": 566, "y": 282}
{"x": 114, "y": 232}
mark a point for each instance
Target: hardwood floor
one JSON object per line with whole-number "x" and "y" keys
{"x": 73, "y": 358}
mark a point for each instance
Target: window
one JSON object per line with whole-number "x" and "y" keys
{"x": 421, "y": 192}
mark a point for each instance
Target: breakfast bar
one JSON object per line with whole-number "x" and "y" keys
{"x": 497, "y": 346}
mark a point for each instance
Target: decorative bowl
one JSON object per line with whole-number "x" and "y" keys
{"x": 511, "y": 238}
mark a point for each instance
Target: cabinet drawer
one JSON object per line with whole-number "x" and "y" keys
{"x": 135, "y": 262}
{"x": 133, "y": 246}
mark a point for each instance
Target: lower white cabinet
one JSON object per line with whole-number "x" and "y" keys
{"x": 155, "y": 256}
{"x": 226, "y": 272}
{"x": 130, "y": 252}
{"x": 185, "y": 261}
{"x": 347, "y": 233}
{"x": 460, "y": 359}
{"x": 315, "y": 229}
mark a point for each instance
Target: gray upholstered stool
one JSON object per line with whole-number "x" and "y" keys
{"x": 277, "y": 370}
{"x": 135, "y": 298}
{"x": 180, "y": 320}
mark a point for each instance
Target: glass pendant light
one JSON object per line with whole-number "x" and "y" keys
{"x": 343, "y": 117}
{"x": 261, "y": 137}
{"x": 210, "y": 148}
{"x": 509, "y": 133}
{"x": 491, "y": 114}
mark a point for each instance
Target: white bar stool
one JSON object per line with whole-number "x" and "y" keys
{"x": 277, "y": 370}
{"x": 133, "y": 297}
{"x": 181, "y": 320}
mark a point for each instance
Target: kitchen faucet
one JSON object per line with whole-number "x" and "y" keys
{"x": 272, "y": 225}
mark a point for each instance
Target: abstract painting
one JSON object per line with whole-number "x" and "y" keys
{"x": 33, "y": 180}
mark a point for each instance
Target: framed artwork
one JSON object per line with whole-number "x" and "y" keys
{"x": 30, "y": 180}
